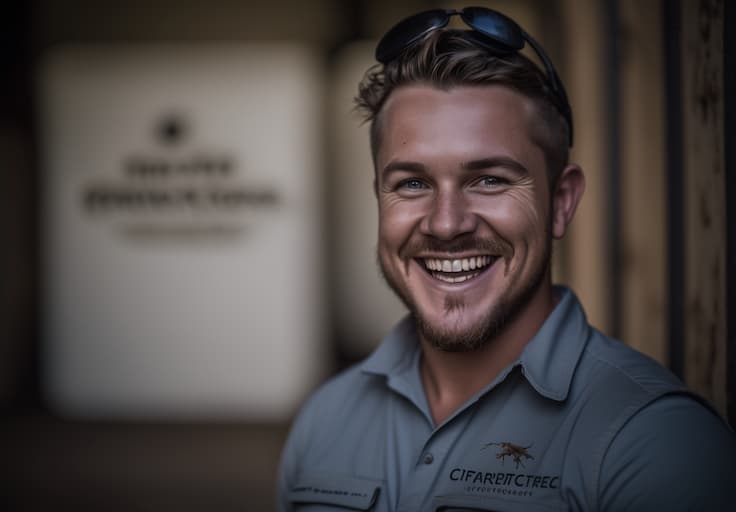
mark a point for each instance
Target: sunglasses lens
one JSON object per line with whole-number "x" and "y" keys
{"x": 499, "y": 28}
{"x": 408, "y": 31}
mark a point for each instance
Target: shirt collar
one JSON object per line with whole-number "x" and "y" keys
{"x": 548, "y": 360}
{"x": 395, "y": 353}
{"x": 551, "y": 356}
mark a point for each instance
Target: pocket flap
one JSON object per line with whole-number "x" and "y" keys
{"x": 471, "y": 503}
{"x": 335, "y": 489}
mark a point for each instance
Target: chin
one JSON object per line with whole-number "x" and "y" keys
{"x": 462, "y": 336}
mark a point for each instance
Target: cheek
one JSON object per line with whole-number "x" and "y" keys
{"x": 387, "y": 234}
{"x": 391, "y": 233}
{"x": 530, "y": 212}
{"x": 397, "y": 220}
{"x": 517, "y": 217}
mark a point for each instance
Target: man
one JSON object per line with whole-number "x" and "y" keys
{"x": 494, "y": 393}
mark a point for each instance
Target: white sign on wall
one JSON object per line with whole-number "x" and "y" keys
{"x": 182, "y": 238}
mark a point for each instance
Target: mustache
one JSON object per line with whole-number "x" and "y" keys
{"x": 465, "y": 243}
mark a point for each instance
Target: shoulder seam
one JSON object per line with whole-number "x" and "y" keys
{"x": 648, "y": 395}
{"x": 620, "y": 370}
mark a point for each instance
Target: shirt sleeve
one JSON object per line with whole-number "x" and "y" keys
{"x": 674, "y": 455}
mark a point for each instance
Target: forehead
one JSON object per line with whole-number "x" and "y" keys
{"x": 489, "y": 120}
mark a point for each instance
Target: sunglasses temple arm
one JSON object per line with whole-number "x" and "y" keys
{"x": 553, "y": 77}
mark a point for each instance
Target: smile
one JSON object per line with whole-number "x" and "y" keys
{"x": 457, "y": 270}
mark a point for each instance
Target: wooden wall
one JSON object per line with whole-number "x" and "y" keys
{"x": 670, "y": 285}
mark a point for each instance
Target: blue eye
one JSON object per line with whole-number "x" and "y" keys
{"x": 413, "y": 184}
{"x": 491, "y": 181}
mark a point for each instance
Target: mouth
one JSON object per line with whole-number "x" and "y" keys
{"x": 457, "y": 270}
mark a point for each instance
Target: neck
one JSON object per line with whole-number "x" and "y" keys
{"x": 451, "y": 378}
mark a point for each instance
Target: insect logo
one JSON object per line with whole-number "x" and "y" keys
{"x": 512, "y": 450}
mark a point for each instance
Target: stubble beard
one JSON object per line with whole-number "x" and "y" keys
{"x": 482, "y": 332}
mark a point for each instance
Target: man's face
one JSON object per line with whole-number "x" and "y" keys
{"x": 464, "y": 207}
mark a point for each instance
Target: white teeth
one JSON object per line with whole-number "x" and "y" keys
{"x": 457, "y": 265}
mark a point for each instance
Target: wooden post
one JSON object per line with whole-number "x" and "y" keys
{"x": 643, "y": 197}
{"x": 705, "y": 199}
{"x": 587, "y": 243}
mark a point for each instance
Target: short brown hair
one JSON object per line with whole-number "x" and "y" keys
{"x": 451, "y": 58}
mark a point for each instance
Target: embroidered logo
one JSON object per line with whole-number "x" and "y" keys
{"x": 512, "y": 450}
{"x": 480, "y": 481}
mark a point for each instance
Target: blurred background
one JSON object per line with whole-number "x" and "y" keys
{"x": 188, "y": 226}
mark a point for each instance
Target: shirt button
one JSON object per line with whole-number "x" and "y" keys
{"x": 428, "y": 458}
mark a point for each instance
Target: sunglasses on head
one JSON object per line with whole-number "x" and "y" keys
{"x": 499, "y": 34}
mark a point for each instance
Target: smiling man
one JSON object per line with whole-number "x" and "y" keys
{"x": 494, "y": 393}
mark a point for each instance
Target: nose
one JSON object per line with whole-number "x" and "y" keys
{"x": 449, "y": 217}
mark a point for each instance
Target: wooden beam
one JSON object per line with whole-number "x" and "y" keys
{"x": 586, "y": 246}
{"x": 705, "y": 199}
{"x": 643, "y": 208}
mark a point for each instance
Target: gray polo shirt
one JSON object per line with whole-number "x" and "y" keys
{"x": 579, "y": 422}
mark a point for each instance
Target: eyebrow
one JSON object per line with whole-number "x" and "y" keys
{"x": 403, "y": 165}
{"x": 472, "y": 165}
{"x": 496, "y": 161}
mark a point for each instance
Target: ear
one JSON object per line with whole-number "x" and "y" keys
{"x": 565, "y": 198}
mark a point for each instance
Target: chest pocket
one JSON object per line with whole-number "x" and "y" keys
{"x": 316, "y": 491}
